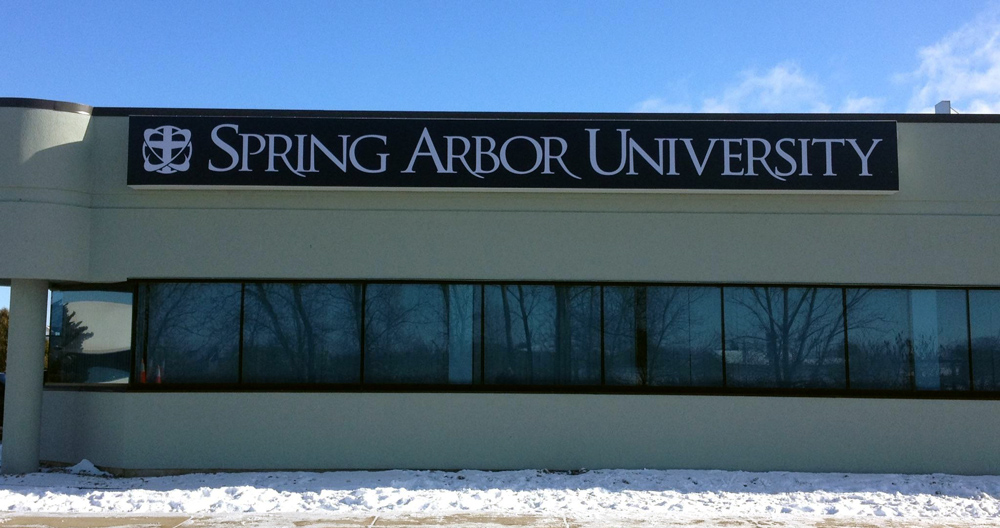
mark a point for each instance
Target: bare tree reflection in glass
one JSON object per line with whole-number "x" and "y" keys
{"x": 542, "y": 334}
{"x": 302, "y": 333}
{"x": 190, "y": 332}
{"x": 419, "y": 333}
{"x": 663, "y": 335}
{"x": 785, "y": 337}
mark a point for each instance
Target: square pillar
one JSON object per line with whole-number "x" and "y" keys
{"x": 25, "y": 368}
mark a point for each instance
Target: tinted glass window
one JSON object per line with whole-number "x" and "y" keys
{"x": 419, "y": 333}
{"x": 785, "y": 337}
{"x": 190, "y": 333}
{"x": 543, "y": 335}
{"x": 302, "y": 333}
{"x": 669, "y": 336}
{"x": 984, "y": 310}
{"x": 529, "y": 334}
{"x": 940, "y": 339}
{"x": 90, "y": 337}
{"x": 477, "y": 334}
{"x": 577, "y": 357}
{"x": 908, "y": 339}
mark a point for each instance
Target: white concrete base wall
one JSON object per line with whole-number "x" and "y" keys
{"x": 510, "y": 431}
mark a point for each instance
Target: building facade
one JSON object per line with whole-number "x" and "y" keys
{"x": 238, "y": 289}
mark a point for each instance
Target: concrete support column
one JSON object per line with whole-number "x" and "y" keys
{"x": 25, "y": 367}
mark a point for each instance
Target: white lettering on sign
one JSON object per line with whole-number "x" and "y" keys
{"x": 483, "y": 155}
{"x": 740, "y": 156}
{"x": 291, "y": 154}
{"x": 541, "y": 152}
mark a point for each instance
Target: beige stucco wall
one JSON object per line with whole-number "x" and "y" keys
{"x": 69, "y": 216}
{"x": 506, "y": 431}
{"x": 44, "y": 194}
{"x": 72, "y": 217}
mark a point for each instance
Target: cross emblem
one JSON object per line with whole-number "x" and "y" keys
{"x": 166, "y": 149}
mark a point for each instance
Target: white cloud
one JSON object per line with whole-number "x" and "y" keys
{"x": 862, "y": 105}
{"x": 963, "y": 67}
{"x": 783, "y": 88}
{"x": 660, "y": 105}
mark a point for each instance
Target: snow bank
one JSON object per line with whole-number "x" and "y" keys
{"x": 591, "y": 495}
{"x": 86, "y": 467}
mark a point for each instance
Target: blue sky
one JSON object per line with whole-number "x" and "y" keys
{"x": 581, "y": 56}
{"x": 791, "y": 56}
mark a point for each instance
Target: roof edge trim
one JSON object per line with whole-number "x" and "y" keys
{"x": 45, "y": 104}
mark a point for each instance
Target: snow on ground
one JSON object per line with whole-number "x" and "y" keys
{"x": 598, "y": 494}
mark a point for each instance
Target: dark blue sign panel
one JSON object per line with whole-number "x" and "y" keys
{"x": 512, "y": 153}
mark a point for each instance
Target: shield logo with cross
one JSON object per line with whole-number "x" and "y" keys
{"x": 166, "y": 149}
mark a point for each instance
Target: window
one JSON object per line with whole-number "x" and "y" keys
{"x": 908, "y": 339}
{"x": 90, "y": 338}
{"x": 984, "y": 309}
{"x": 529, "y": 335}
{"x": 302, "y": 333}
{"x": 190, "y": 333}
{"x": 785, "y": 337}
{"x": 669, "y": 336}
{"x": 419, "y": 333}
{"x": 543, "y": 335}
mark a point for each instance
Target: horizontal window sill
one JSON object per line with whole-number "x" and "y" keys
{"x": 531, "y": 389}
